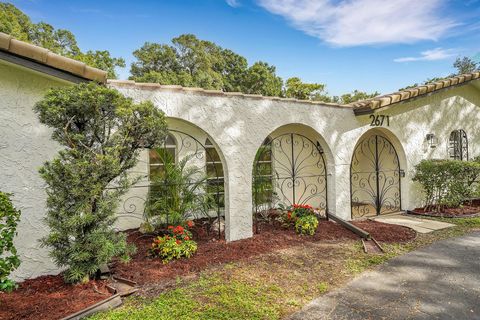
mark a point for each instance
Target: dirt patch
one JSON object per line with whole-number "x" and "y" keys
{"x": 48, "y": 297}
{"x": 211, "y": 252}
{"x": 385, "y": 232}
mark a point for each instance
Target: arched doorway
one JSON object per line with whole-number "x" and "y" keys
{"x": 289, "y": 169}
{"x": 375, "y": 173}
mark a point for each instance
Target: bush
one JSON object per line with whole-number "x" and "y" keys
{"x": 101, "y": 132}
{"x": 9, "y": 261}
{"x": 176, "y": 244}
{"x": 306, "y": 225}
{"x": 302, "y": 217}
{"x": 447, "y": 183}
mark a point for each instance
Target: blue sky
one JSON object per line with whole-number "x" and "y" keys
{"x": 368, "y": 45}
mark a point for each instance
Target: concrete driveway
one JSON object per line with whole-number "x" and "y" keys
{"x": 441, "y": 281}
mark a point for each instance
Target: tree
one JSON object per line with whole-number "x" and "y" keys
{"x": 297, "y": 89}
{"x": 261, "y": 78}
{"x": 190, "y": 61}
{"x": 9, "y": 261}
{"x": 357, "y": 95}
{"x": 101, "y": 132}
{"x": 17, "y": 24}
{"x": 465, "y": 65}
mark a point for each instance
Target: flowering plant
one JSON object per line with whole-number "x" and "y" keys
{"x": 302, "y": 216}
{"x": 177, "y": 243}
{"x": 306, "y": 225}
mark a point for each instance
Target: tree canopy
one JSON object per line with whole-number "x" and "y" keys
{"x": 17, "y": 24}
{"x": 186, "y": 61}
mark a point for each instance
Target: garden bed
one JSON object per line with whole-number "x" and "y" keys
{"x": 211, "y": 251}
{"x": 468, "y": 209}
{"x": 48, "y": 297}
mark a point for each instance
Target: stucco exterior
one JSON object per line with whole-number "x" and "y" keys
{"x": 236, "y": 125}
{"x": 24, "y": 145}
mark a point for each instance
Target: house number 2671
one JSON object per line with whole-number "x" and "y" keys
{"x": 379, "y": 120}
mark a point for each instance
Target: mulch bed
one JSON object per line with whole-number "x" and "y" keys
{"x": 143, "y": 269}
{"x": 48, "y": 297}
{"x": 469, "y": 209}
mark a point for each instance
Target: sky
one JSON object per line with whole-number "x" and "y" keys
{"x": 369, "y": 45}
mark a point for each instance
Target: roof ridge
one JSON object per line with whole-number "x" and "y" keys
{"x": 46, "y": 57}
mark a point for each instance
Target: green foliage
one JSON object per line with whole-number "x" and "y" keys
{"x": 446, "y": 182}
{"x": 192, "y": 62}
{"x": 261, "y": 78}
{"x": 177, "y": 193}
{"x": 465, "y": 65}
{"x": 302, "y": 217}
{"x": 306, "y": 225}
{"x": 295, "y": 88}
{"x": 102, "y": 132}
{"x": 175, "y": 245}
{"x": 9, "y": 261}
{"x": 17, "y": 24}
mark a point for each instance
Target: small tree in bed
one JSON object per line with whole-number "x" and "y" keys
{"x": 101, "y": 132}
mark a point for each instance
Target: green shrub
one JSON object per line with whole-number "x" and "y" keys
{"x": 9, "y": 261}
{"x": 175, "y": 245}
{"x": 302, "y": 217}
{"x": 447, "y": 183}
{"x": 101, "y": 132}
{"x": 306, "y": 225}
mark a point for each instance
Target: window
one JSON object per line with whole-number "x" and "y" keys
{"x": 160, "y": 156}
{"x": 263, "y": 185}
{"x": 458, "y": 145}
{"x": 215, "y": 176}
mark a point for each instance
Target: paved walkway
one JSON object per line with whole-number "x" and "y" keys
{"x": 441, "y": 281}
{"x": 418, "y": 224}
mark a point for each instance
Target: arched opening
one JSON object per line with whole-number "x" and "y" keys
{"x": 289, "y": 168}
{"x": 375, "y": 176}
{"x": 182, "y": 179}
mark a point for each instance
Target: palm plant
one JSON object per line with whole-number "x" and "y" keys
{"x": 177, "y": 193}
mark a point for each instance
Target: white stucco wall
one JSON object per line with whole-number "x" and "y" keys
{"x": 24, "y": 145}
{"x": 240, "y": 124}
{"x": 237, "y": 125}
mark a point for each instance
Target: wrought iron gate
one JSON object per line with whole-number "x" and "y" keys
{"x": 200, "y": 161}
{"x": 375, "y": 178}
{"x": 289, "y": 169}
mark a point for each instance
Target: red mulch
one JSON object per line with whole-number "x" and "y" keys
{"x": 48, "y": 297}
{"x": 469, "y": 208}
{"x": 144, "y": 269}
{"x": 386, "y": 232}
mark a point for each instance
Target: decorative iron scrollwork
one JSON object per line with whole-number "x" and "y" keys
{"x": 375, "y": 178}
{"x": 289, "y": 169}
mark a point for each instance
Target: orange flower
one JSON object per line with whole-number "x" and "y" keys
{"x": 179, "y": 241}
{"x": 187, "y": 238}
{"x": 190, "y": 223}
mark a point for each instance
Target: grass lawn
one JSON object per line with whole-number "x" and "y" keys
{"x": 270, "y": 286}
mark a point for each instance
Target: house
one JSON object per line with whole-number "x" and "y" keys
{"x": 258, "y": 152}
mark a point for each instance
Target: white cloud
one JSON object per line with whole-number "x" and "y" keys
{"x": 233, "y": 3}
{"x": 364, "y": 22}
{"x": 430, "y": 55}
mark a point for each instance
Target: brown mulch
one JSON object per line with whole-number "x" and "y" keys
{"x": 469, "y": 208}
{"x": 211, "y": 252}
{"x": 385, "y": 232}
{"x": 48, "y": 297}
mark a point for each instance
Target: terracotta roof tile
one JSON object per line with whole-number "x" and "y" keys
{"x": 368, "y": 105}
{"x": 48, "y": 58}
